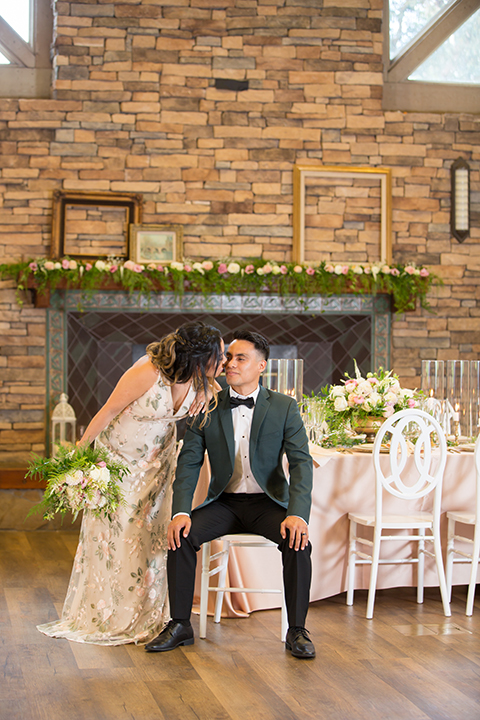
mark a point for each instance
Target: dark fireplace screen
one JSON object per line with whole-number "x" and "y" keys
{"x": 102, "y": 345}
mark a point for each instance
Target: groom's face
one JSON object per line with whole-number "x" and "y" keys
{"x": 244, "y": 366}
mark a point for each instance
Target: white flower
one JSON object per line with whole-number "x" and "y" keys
{"x": 338, "y": 270}
{"x": 177, "y": 265}
{"x": 198, "y": 267}
{"x": 340, "y": 403}
{"x": 364, "y": 388}
{"x": 357, "y": 269}
{"x": 390, "y": 397}
{"x": 276, "y": 270}
{"x": 74, "y": 478}
{"x": 100, "y": 475}
{"x": 372, "y": 401}
{"x": 57, "y": 266}
{"x": 100, "y": 265}
{"x": 233, "y": 268}
{"x": 337, "y": 391}
{"x": 259, "y": 271}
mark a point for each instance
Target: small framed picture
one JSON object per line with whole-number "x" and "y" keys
{"x": 161, "y": 244}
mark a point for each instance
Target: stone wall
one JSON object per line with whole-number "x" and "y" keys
{"x": 134, "y": 107}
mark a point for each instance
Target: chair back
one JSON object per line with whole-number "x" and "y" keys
{"x": 477, "y": 473}
{"x": 428, "y": 475}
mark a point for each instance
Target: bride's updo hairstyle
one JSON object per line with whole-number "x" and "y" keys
{"x": 187, "y": 354}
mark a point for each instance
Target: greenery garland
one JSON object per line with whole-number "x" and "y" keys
{"x": 406, "y": 283}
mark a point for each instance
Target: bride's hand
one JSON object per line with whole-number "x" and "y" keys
{"x": 199, "y": 402}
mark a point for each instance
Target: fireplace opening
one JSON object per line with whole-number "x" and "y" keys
{"x": 102, "y": 345}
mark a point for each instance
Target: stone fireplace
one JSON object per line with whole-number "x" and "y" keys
{"x": 93, "y": 338}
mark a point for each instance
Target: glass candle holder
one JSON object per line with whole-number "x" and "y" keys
{"x": 433, "y": 387}
{"x": 285, "y": 375}
{"x": 457, "y": 401}
{"x": 474, "y": 398}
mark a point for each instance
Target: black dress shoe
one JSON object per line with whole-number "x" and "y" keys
{"x": 172, "y": 635}
{"x": 299, "y": 644}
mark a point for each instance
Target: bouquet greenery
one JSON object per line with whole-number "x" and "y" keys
{"x": 357, "y": 400}
{"x": 80, "y": 478}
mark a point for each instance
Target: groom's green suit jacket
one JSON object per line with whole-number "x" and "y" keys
{"x": 277, "y": 428}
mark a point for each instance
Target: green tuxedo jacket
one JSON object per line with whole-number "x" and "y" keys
{"x": 277, "y": 428}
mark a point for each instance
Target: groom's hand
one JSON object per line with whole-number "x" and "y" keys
{"x": 174, "y": 531}
{"x": 298, "y": 531}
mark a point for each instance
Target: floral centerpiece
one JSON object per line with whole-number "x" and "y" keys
{"x": 360, "y": 404}
{"x": 406, "y": 283}
{"x": 82, "y": 478}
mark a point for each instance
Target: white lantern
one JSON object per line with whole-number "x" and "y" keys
{"x": 63, "y": 424}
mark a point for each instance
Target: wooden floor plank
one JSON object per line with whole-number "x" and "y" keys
{"x": 408, "y": 663}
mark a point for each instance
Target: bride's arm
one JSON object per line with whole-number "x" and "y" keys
{"x": 132, "y": 385}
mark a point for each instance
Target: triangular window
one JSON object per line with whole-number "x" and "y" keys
{"x": 432, "y": 55}
{"x": 457, "y": 60}
{"x": 408, "y": 19}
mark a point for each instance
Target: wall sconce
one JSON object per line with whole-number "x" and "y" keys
{"x": 460, "y": 200}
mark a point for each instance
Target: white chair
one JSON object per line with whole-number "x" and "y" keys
{"x": 473, "y": 520}
{"x": 220, "y": 569}
{"x": 424, "y": 481}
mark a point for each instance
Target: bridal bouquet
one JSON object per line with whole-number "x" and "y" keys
{"x": 82, "y": 478}
{"x": 360, "y": 399}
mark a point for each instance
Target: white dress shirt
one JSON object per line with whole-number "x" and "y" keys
{"x": 242, "y": 480}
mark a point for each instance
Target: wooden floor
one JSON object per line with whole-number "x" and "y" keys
{"x": 408, "y": 663}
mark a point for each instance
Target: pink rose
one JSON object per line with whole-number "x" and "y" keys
{"x": 298, "y": 269}
{"x": 129, "y": 265}
{"x": 102, "y": 463}
{"x": 207, "y": 265}
{"x": 113, "y": 268}
{"x": 88, "y": 266}
{"x": 33, "y": 266}
{"x": 424, "y": 272}
{"x": 65, "y": 264}
{"x": 310, "y": 271}
{"x": 345, "y": 269}
{"x": 138, "y": 268}
{"x": 389, "y": 410}
{"x": 409, "y": 270}
{"x": 187, "y": 268}
{"x": 329, "y": 268}
{"x": 283, "y": 269}
{"x": 411, "y": 403}
{"x": 249, "y": 269}
{"x": 222, "y": 268}
{"x": 395, "y": 272}
{"x": 160, "y": 268}
{"x": 49, "y": 265}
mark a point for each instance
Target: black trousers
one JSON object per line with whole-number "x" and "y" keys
{"x": 239, "y": 513}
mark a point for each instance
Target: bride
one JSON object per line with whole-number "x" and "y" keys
{"x": 118, "y": 587}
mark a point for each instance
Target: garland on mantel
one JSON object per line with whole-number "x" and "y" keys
{"x": 406, "y": 283}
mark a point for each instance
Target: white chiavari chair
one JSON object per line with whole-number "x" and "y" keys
{"x": 427, "y": 478}
{"x": 209, "y": 569}
{"x": 458, "y": 542}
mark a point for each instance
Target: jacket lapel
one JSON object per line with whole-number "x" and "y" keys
{"x": 225, "y": 416}
{"x": 261, "y": 408}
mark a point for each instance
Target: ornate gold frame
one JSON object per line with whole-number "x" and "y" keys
{"x": 300, "y": 172}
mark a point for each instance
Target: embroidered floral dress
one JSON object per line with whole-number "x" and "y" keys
{"x": 118, "y": 587}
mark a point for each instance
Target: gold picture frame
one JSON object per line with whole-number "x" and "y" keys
{"x": 91, "y": 225}
{"x": 337, "y": 175}
{"x": 161, "y": 244}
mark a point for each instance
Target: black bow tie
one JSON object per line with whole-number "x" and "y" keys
{"x": 236, "y": 402}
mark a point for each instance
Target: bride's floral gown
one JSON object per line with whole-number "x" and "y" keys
{"x": 118, "y": 587}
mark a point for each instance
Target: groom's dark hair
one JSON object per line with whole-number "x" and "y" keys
{"x": 258, "y": 341}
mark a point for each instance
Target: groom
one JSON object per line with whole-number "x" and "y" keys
{"x": 246, "y": 436}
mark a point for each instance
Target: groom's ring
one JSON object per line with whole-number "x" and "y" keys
{"x": 304, "y": 533}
